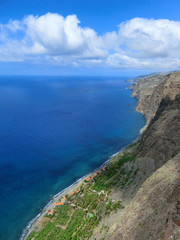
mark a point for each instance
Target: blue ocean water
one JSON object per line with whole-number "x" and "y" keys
{"x": 54, "y": 130}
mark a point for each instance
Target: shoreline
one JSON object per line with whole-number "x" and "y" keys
{"x": 50, "y": 205}
{"x": 31, "y": 225}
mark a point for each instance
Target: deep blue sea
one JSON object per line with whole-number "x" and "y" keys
{"x": 54, "y": 130}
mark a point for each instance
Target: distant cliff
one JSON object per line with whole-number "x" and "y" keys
{"x": 151, "y": 90}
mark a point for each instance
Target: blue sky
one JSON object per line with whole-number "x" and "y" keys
{"x": 101, "y": 37}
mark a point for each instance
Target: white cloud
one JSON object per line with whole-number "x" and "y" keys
{"x": 55, "y": 34}
{"x": 138, "y": 43}
{"x": 146, "y": 43}
{"x": 150, "y": 38}
{"x": 52, "y": 34}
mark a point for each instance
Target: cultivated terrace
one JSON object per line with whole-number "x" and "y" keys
{"x": 75, "y": 215}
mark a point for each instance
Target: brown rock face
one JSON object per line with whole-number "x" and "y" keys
{"x": 161, "y": 140}
{"x": 151, "y": 90}
{"x": 153, "y": 213}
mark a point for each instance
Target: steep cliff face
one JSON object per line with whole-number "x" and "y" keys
{"x": 152, "y": 203}
{"x": 151, "y": 90}
{"x": 154, "y": 213}
{"x": 161, "y": 140}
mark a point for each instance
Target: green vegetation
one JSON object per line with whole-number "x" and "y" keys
{"x": 112, "y": 206}
{"x": 116, "y": 175}
{"x": 78, "y": 218}
{"x": 31, "y": 235}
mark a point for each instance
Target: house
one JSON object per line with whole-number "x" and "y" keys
{"x": 59, "y": 204}
{"x": 50, "y": 212}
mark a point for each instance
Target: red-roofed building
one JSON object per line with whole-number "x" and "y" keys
{"x": 59, "y": 204}
{"x": 88, "y": 179}
{"x": 50, "y": 212}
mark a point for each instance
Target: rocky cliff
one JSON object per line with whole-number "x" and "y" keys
{"x": 154, "y": 212}
{"x": 151, "y": 90}
{"x": 161, "y": 140}
{"x": 152, "y": 202}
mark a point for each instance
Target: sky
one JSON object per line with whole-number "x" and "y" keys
{"x": 92, "y": 37}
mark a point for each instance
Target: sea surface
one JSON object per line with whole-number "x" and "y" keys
{"x": 53, "y": 131}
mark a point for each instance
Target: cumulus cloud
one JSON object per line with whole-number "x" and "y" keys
{"x": 150, "y": 38}
{"x": 137, "y": 43}
{"x": 56, "y": 35}
{"x": 146, "y": 43}
{"x": 50, "y": 35}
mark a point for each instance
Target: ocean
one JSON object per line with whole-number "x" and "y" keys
{"x": 53, "y": 131}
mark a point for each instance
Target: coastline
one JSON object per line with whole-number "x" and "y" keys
{"x": 32, "y": 224}
{"x": 148, "y": 176}
{"x": 73, "y": 187}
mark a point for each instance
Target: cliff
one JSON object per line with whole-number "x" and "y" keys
{"x": 151, "y": 90}
{"x": 154, "y": 212}
{"x": 161, "y": 140}
{"x": 152, "y": 202}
